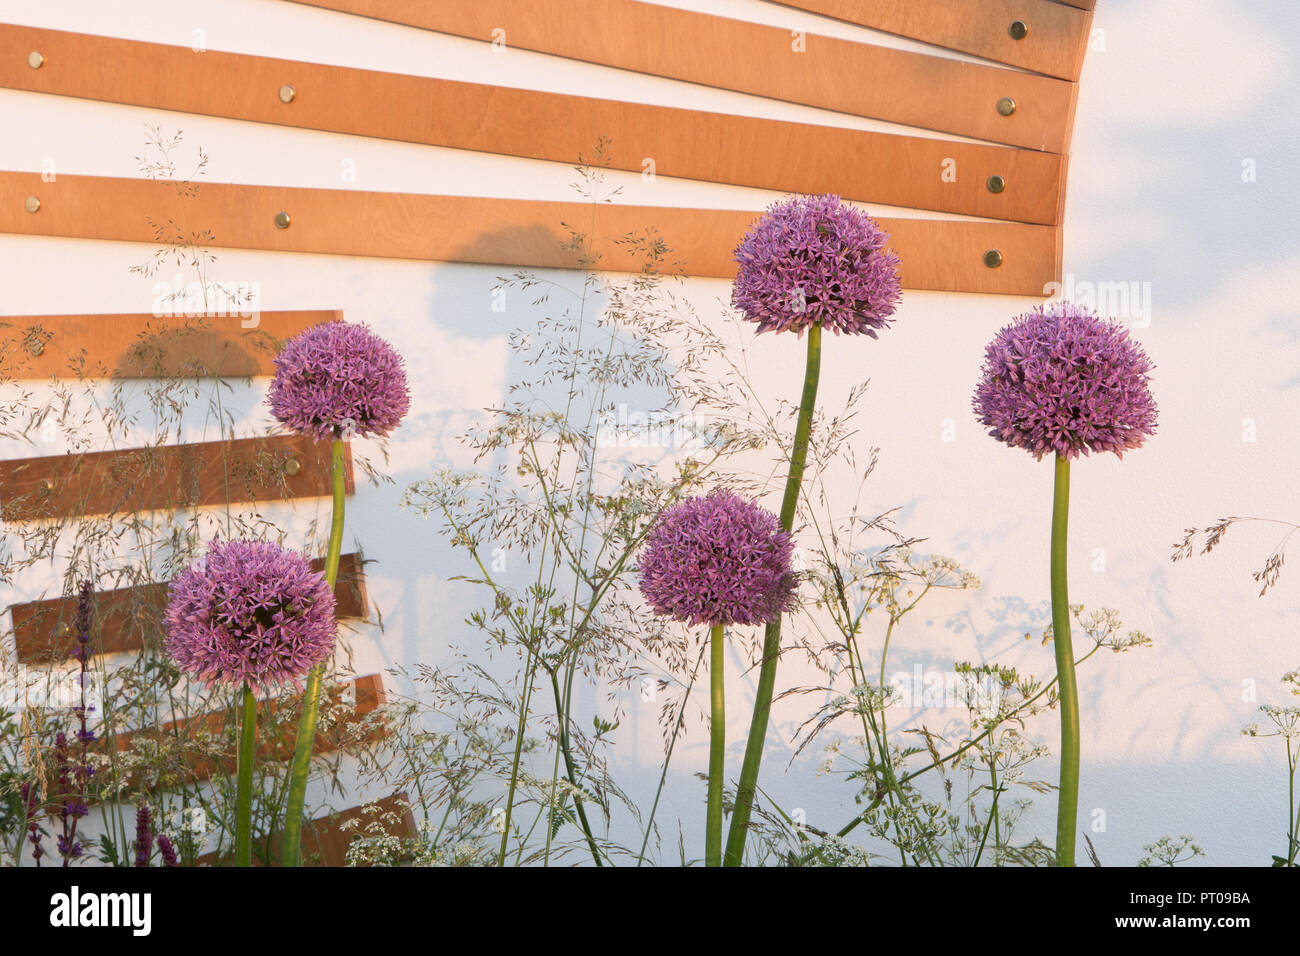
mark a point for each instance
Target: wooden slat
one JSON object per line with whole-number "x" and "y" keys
{"x": 936, "y": 254}
{"x": 899, "y": 86}
{"x": 126, "y": 618}
{"x": 127, "y": 346}
{"x": 370, "y": 696}
{"x": 326, "y": 839}
{"x": 166, "y": 477}
{"x": 1055, "y": 43}
{"x": 897, "y": 170}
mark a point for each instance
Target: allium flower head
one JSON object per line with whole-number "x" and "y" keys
{"x": 251, "y": 613}
{"x": 1059, "y": 379}
{"x": 339, "y": 379}
{"x": 717, "y": 560}
{"x": 815, "y": 259}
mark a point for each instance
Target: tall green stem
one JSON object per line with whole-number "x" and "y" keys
{"x": 244, "y": 787}
{"x": 1067, "y": 807}
{"x": 748, "y": 784}
{"x": 306, "y": 742}
{"x": 717, "y": 748}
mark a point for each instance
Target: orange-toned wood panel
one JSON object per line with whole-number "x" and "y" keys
{"x": 369, "y": 697}
{"x": 123, "y": 346}
{"x": 1053, "y": 42}
{"x": 931, "y": 92}
{"x": 124, "y": 617}
{"x": 936, "y": 254}
{"x": 325, "y": 840}
{"x": 896, "y": 170}
{"x": 166, "y": 477}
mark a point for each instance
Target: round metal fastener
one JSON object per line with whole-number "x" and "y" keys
{"x": 32, "y": 204}
{"x": 36, "y": 59}
{"x": 996, "y": 184}
{"x": 993, "y": 258}
{"x": 292, "y": 467}
{"x": 287, "y": 93}
{"x": 1006, "y": 106}
{"x": 47, "y": 485}
{"x": 1018, "y": 29}
{"x": 282, "y": 220}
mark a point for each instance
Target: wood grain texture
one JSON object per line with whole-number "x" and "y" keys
{"x": 936, "y": 254}
{"x": 128, "y": 619}
{"x": 326, "y": 839}
{"x": 166, "y": 477}
{"x": 1055, "y": 43}
{"x": 900, "y": 86}
{"x": 129, "y": 346}
{"x": 182, "y": 737}
{"x": 897, "y": 170}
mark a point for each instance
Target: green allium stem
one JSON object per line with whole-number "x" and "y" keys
{"x": 306, "y": 742}
{"x": 244, "y": 787}
{"x": 772, "y": 633}
{"x": 1067, "y": 807}
{"x": 717, "y": 747}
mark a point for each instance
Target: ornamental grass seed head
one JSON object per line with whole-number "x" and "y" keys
{"x": 815, "y": 259}
{"x": 1059, "y": 379}
{"x": 252, "y": 613}
{"x": 718, "y": 560}
{"x": 339, "y": 379}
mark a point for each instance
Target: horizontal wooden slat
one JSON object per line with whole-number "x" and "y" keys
{"x": 126, "y": 346}
{"x": 369, "y": 696}
{"x": 1055, "y": 43}
{"x": 126, "y": 618}
{"x": 936, "y": 254}
{"x": 325, "y": 840}
{"x": 166, "y": 477}
{"x": 900, "y": 86}
{"x": 885, "y": 168}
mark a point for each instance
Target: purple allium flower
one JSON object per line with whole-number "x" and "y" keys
{"x": 1059, "y": 379}
{"x": 815, "y": 259}
{"x": 718, "y": 560}
{"x": 252, "y": 613}
{"x": 339, "y": 379}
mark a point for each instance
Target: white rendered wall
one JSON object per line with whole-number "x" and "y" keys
{"x": 1175, "y": 99}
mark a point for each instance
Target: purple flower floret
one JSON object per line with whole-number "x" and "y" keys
{"x": 1059, "y": 379}
{"x": 337, "y": 380}
{"x": 718, "y": 560}
{"x": 251, "y": 613}
{"x": 815, "y": 259}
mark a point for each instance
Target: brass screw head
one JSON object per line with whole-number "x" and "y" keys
{"x": 996, "y": 184}
{"x": 47, "y": 485}
{"x": 36, "y": 59}
{"x": 32, "y": 204}
{"x": 287, "y": 93}
{"x": 282, "y": 220}
{"x": 993, "y": 258}
{"x": 1018, "y": 29}
{"x": 1006, "y": 106}
{"x": 292, "y": 467}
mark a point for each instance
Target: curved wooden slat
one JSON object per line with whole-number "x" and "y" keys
{"x": 128, "y": 346}
{"x": 899, "y": 86}
{"x": 896, "y": 170}
{"x": 1055, "y": 43}
{"x": 936, "y": 254}
{"x": 167, "y": 477}
{"x": 124, "y": 616}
